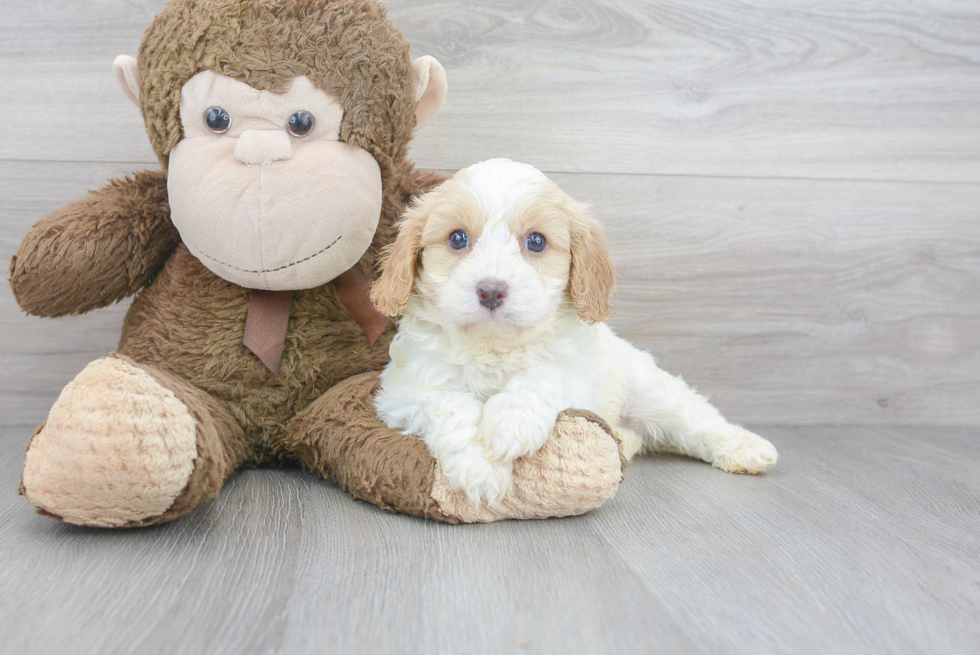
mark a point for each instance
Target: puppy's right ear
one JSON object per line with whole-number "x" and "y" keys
{"x": 399, "y": 262}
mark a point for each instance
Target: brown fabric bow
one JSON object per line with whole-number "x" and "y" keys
{"x": 268, "y": 315}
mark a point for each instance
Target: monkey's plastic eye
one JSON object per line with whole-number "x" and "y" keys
{"x": 535, "y": 242}
{"x": 217, "y": 120}
{"x": 458, "y": 240}
{"x": 300, "y": 123}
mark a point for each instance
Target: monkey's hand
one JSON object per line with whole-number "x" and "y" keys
{"x": 97, "y": 250}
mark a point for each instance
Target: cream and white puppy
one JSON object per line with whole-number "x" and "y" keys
{"x": 503, "y": 282}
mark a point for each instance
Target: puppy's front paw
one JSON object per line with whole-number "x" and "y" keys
{"x": 513, "y": 426}
{"x": 469, "y": 470}
{"x": 744, "y": 452}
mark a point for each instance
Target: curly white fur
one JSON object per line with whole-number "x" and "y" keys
{"x": 484, "y": 387}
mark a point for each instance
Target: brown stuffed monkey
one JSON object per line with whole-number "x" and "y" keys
{"x": 282, "y": 128}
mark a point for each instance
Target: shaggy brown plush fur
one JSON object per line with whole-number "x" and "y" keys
{"x": 95, "y": 251}
{"x": 186, "y": 324}
{"x": 348, "y": 48}
{"x": 324, "y": 345}
{"x": 340, "y": 438}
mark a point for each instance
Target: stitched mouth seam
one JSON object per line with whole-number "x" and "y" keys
{"x": 273, "y": 270}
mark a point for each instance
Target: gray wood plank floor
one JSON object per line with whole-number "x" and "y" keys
{"x": 862, "y": 540}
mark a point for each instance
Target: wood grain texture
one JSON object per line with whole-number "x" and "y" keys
{"x": 862, "y": 540}
{"x": 789, "y": 301}
{"x": 875, "y": 90}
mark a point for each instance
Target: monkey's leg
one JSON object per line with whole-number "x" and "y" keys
{"x": 340, "y": 438}
{"x": 127, "y": 444}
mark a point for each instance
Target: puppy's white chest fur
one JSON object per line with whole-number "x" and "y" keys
{"x": 483, "y": 366}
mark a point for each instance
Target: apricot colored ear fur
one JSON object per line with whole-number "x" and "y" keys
{"x": 399, "y": 262}
{"x": 429, "y": 81}
{"x": 127, "y": 74}
{"x": 592, "y": 278}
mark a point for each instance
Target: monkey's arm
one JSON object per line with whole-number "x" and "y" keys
{"x": 97, "y": 250}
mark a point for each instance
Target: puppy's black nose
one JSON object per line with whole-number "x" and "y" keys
{"x": 491, "y": 293}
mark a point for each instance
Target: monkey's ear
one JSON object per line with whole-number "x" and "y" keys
{"x": 429, "y": 82}
{"x": 127, "y": 74}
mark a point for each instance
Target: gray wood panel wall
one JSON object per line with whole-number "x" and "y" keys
{"x": 791, "y": 188}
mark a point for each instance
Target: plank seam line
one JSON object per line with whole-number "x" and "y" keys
{"x": 449, "y": 171}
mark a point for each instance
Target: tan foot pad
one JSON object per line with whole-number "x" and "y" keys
{"x": 117, "y": 447}
{"x": 578, "y": 469}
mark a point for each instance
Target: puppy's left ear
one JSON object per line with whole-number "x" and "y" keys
{"x": 399, "y": 262}
{"x": 592, "y": 278}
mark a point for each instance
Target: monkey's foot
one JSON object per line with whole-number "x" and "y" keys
{"x": 577, "y": 470}
{"x": 120, "y": 448}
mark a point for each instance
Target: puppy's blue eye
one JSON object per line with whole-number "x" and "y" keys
{"x": 535, "y": 242}
{"x": 217, "y": 120}
{"x": 458, "y": 240}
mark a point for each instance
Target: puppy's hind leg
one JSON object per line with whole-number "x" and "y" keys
{"x": 671, "y": 416}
